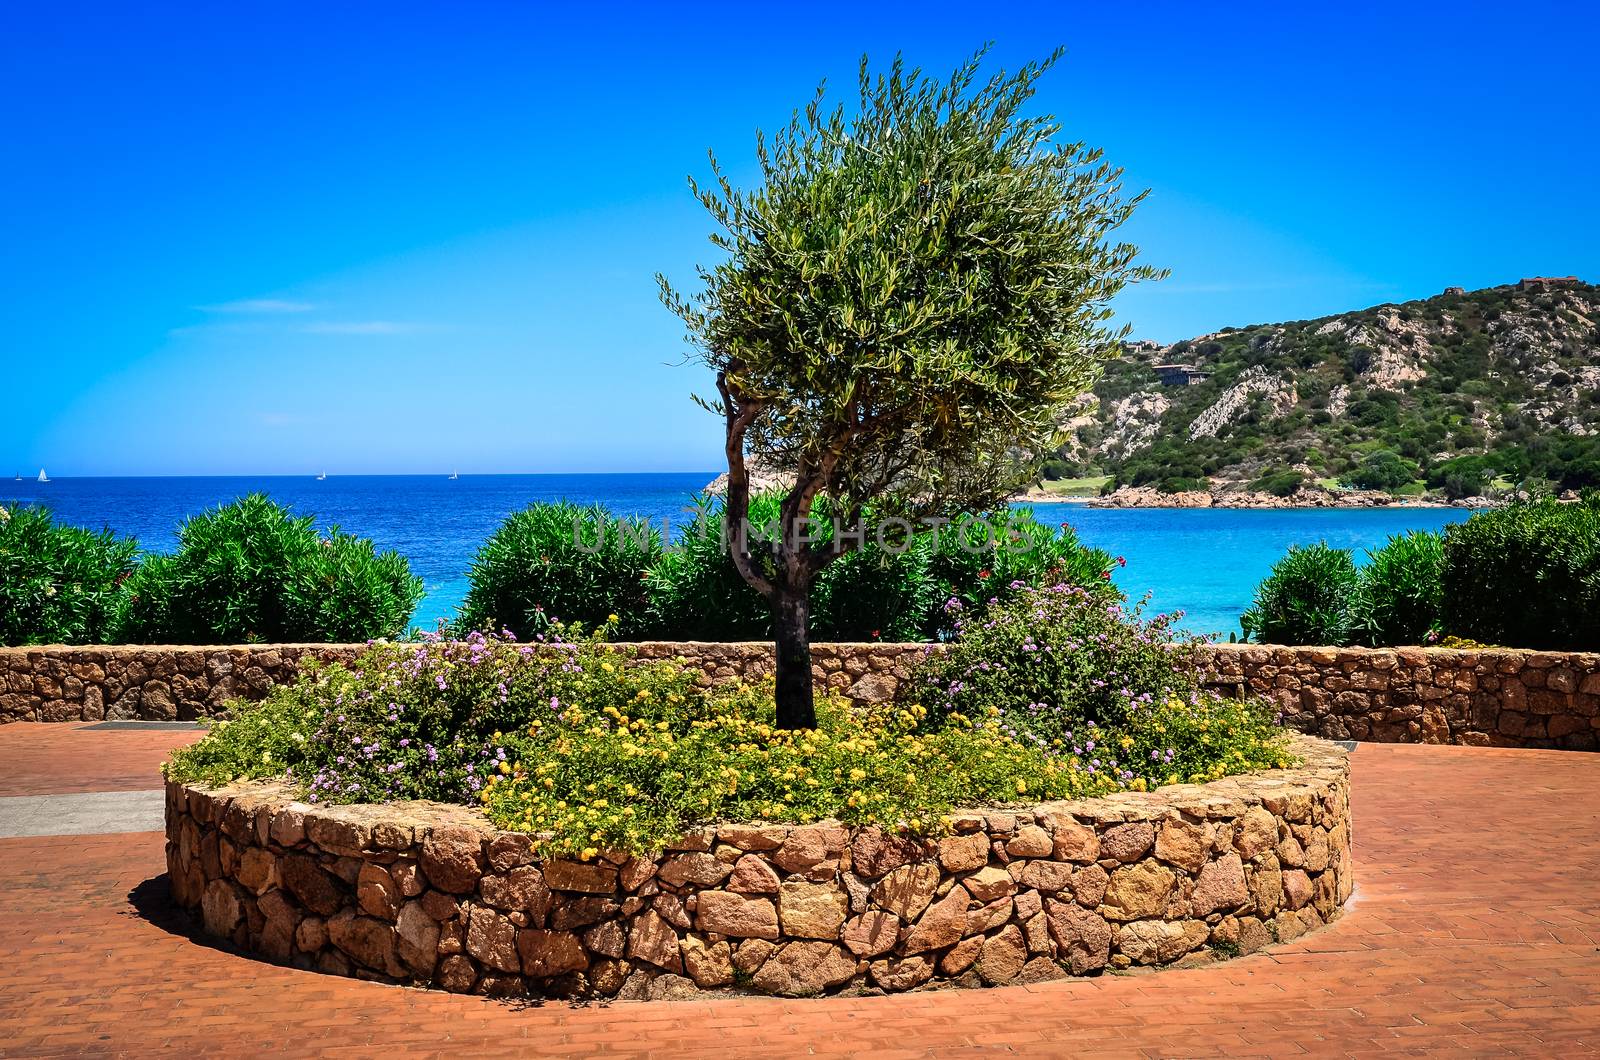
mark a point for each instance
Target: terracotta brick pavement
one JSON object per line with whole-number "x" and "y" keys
{"x": 1475, "y": 929}
{"x": 49, "y": 758}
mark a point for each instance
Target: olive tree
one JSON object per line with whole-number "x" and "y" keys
{"x": 903, "y": 310}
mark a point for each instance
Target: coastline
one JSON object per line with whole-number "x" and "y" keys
{"x": 1148, "y": 497}
{"x": 1145, "y": 497}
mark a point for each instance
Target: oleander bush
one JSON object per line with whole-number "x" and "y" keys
{"x": 1311, "y": 597}
{"x": 1523, "y": 576}
{"x": 531, "y": 572}
{"x": 1401, "y": 598}
{"x": 1526, "y": 576}
{"x": 250, "y": 571}
{"x": 58, "y": 584}
{"x": 566, "y": 738}
{"x": 578, "y": 562}
{"x": 695, "y": 591}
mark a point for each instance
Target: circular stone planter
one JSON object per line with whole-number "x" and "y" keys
{"x": 434, "y": 895}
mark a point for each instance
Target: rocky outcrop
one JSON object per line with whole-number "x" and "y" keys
{"x": 433, "y": 895}
{"x": 762, "y": 479}
{"x": 1254, "y": 383}
{"x": 1257, "y": 399}
{"x": 1134, "y": 421}
{"x": 1305, "y": 497}
{"x": 1393, "y": 349}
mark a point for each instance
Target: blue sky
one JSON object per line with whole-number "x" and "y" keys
{"x": 369, "y": 238}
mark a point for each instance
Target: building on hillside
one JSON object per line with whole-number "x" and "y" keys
{"x": 1180, "y": 374}
{"x": 1545, "y": 283}
{"x": 1455, "y": 290}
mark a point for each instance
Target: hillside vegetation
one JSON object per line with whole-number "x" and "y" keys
{"x": 1460, "y": 395}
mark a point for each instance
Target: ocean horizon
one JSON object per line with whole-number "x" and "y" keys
{"x": 1205, "y": 562}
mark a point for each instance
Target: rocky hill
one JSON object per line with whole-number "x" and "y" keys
{"x": 1462, "y": 394}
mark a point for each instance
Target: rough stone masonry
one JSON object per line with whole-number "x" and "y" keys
{"x": 1493, "y": 697}
{"x": 433, "y": 895}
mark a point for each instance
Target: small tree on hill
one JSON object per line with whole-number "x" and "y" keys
{"x": 907, "y": 304}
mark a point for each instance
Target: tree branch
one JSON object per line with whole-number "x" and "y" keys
{"x": 736, "y": 506}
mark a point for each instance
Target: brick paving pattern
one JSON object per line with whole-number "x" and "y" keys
{"x": 1475, "y": 929}
{"x": 52, "y": 758}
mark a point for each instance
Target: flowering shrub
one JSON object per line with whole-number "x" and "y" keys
{"x": 634, "y": 779}
{"x": 1052, "y": 659}
{"x": 418, "y": 721}
{"x": 565, "y": 738}
{"x": 1080, "y": 677}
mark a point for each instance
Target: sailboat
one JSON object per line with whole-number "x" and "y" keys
{"x": 454, "y": 475}
{"x": 322, "y": 477}
{"x": 42, "y": 476}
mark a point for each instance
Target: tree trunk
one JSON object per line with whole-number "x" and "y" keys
{"x": 792, "y": 615}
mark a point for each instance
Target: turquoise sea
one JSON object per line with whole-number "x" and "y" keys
{"x": 1204, "y": 562}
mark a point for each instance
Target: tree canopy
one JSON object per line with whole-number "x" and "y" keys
{"x": 905, "y": 305}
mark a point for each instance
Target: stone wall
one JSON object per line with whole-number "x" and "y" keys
{"x": 433, "y": 895}
{"x": 1490, "y": 697}
{"x": 181, "y": 683}
{"x": 154, "y": 683}
{"x": 1496, "y": 697}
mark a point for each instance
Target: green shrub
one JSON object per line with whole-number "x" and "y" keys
{"x": 1400, "y": 600}
{"x": 1309, "y": 598}
{"x": 889, "y": 590}
{"x": 564, "y": 738}
{"x": 58, "y": 584}
{"x": 1462, "y": 476}
{"x": 878, "y": 594}
{"x": 561, "y": 561}
{"x": 1281, "y": 483}
{"x": 251, "y": 572}
{"x": 695, "y": 591}
{"x": 1382, "y": 470}
{"x": 1525, "y": 576}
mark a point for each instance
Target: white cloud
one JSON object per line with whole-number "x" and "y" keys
{"x": 259, "y": 305}
{"x": 359, "y": 327}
